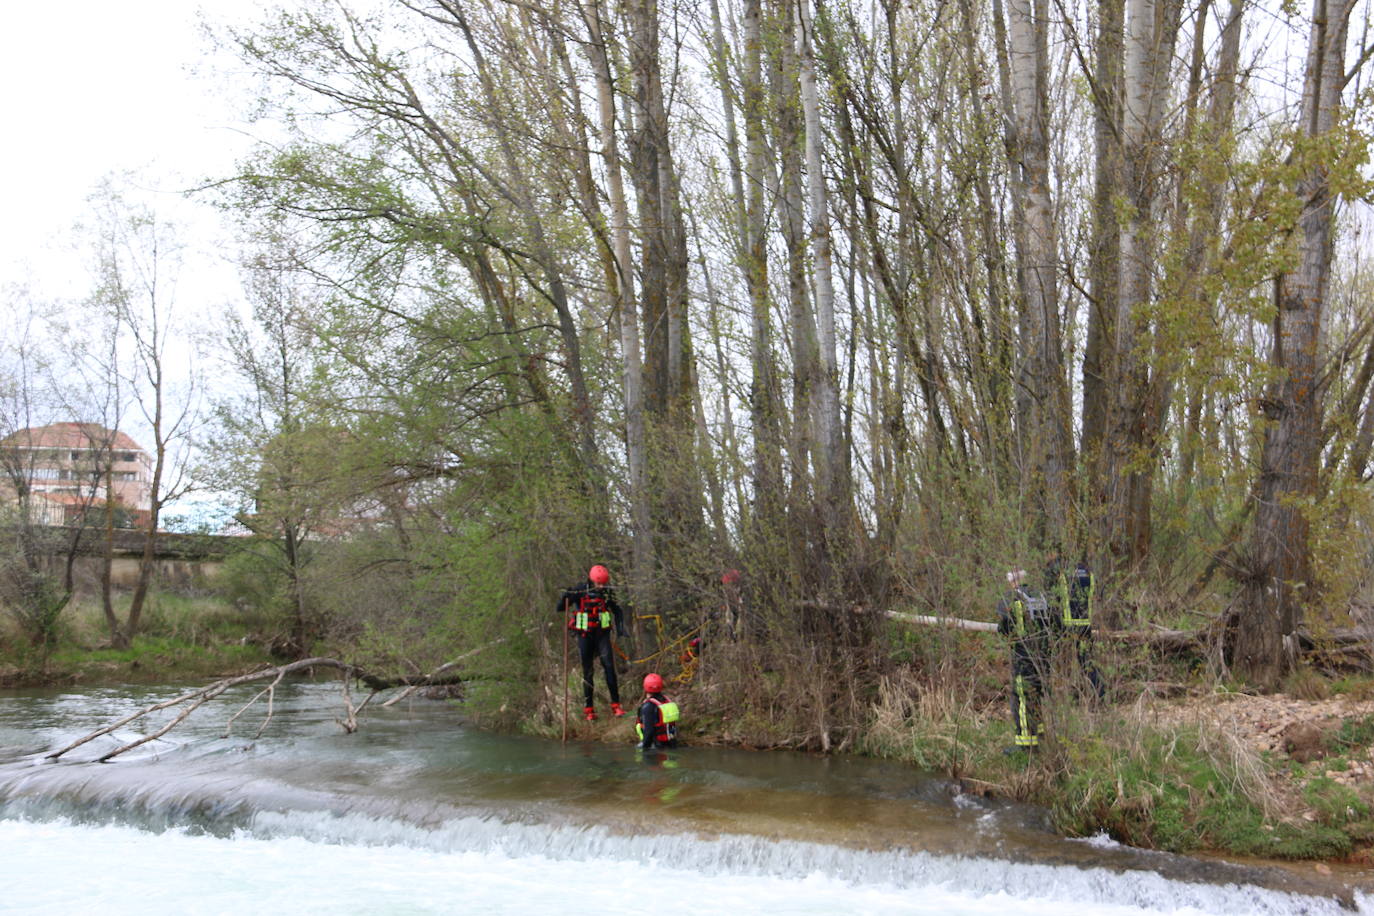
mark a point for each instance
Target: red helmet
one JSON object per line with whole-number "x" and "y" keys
{"x": 652, "y": 683}
{"x": 599, "y": 575}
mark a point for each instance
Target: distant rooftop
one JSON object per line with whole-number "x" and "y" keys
{"x": 70, "y": 435}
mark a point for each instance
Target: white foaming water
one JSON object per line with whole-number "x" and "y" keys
{"x": 317, "y": 863}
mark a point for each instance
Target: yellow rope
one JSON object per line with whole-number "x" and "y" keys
{"x": 655, "y": 617}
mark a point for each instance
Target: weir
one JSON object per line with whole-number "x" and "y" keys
{"x": 429, "y": 811}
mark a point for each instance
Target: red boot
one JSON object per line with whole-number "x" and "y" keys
{"x": 589, "y": 713}
{"x": 616, "y": 710}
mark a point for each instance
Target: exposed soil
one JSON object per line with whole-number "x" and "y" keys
{"x": 1279, "y": 725}
{"x": 1288, "y": 729}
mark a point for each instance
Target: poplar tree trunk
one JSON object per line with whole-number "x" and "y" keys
{"x": 1042, "y": 401}
{"x": 632, "y": 372}
{"x": 764, "y": 406}
{"x": 1132, "y": 452}
{"x": 519, "y": 189}
{"x": 832, "y": 459}
{"x": 1280, "y": 580}
{"x": 668, "y": 381}
{"x": 1099, "y": 356}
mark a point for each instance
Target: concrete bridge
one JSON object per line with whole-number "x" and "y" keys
{"x": 184, "y": 561}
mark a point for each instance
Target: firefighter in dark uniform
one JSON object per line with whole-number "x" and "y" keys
{"x": 656, "y": 724}
{"x": 1071, "y": 607}
{"x": 592, "y": 612}
{"x": 1023, "y": 616}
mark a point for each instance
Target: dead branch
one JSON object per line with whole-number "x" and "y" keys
{"x": 199, "y": 696}
{"x": 244, "y": 708}
{"x": 200, "y": 701}
{"x": 271, "y": 691}
{"x": 957, "y": 623}
{"x": 1351, "y": 644}
{"x": 431, "y": 679}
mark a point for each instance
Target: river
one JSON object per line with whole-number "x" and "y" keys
{"x": 416, "y": 813}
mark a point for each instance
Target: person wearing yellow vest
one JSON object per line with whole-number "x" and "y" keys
{"x": 1071, "y": 608}
{"x": 593, "y": 612}
{"x": 656, "y": 725}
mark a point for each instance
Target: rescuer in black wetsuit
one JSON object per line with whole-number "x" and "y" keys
{"x": 1023, "y": 615}
{"x": 656, "y": 724}
{"x": 592, "y": 612}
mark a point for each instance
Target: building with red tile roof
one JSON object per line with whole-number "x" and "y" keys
{"x": 64, "y": 467}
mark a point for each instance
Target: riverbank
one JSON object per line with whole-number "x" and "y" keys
{"x": 1192, "y": 767}
{"x": 435, "y": 809}
{"x": 1183, "y": 766}
{"x": 181, "y": 639}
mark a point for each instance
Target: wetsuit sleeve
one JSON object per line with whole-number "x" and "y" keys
{"x": 614, "y": 608}
{"x": 565, "y": 604}
{"x": 648, "y": 719}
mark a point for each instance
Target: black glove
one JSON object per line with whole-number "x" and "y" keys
{"x": 621, "y": 631}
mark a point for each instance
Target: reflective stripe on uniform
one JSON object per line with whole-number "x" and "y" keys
{"x": 1025, "y": 736}
{"x": 586, "y": 621}
{"x": 602, "y": 620}
{"x": 1068, "y": 616}
{"x": 1061, "y": 596}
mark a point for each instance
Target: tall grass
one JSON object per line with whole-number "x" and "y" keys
{"x": 181, "y": 636}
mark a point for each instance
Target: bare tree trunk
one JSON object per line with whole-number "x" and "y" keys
{"x": 803, "y": 520}
{"x": 117, "y": 638}
{"x": 1042, "y": 391}
{"x": 833, "y": 464}
{"x": 147, "y": 563}
{"x": 1152, "y": 27}
{"x": 764, "y": 395}
{"x": 636, "y": 446}
{"x": 669, "y": 392}
{"x": 1201, "y": 227}
{"x": 995, "y": 349}
{"x": 1099, "y": 357}
{"x": 727, "y": 103}
{"x": 1280, "y": 579}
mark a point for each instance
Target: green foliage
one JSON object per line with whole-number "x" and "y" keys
{"x": 1335, "y": 804}
{"x": 250, "y": 579}
{"x": 184, "y": 636}
{"x": 1353, "y": 733}
{"x": 1357, "y": 687}
{"x": 1168, "y": 790}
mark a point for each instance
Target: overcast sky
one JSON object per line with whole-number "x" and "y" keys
{"x": 93, "y": 87}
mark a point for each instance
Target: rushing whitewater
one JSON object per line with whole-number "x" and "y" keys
{"x": 417, "y": 814}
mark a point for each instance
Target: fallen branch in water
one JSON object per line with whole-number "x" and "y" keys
{"x": 194, "y": 699}
{"x": 198, "y": 697}
{"x": 433, "y": 680}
